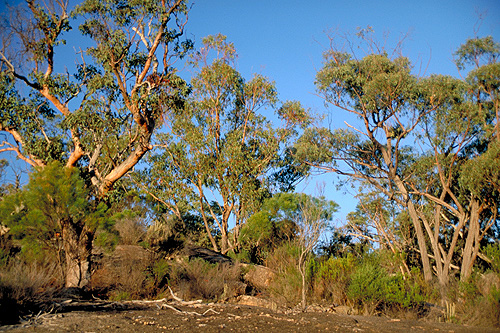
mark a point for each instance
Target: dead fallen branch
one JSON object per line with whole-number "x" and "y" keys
{"x": 183, "y": 302}
{"x": 186, "y": 312}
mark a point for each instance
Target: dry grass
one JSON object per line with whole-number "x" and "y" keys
{"x": 24, "y": 286}
{"x": 124, "y": 275}
{"x": 286, "y": 287}
{"x": 478, "y": 302}
{"x": 132, "y": 230}
{"x": 197, "y": 279}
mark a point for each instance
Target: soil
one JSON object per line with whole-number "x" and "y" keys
{"x": 100, "y": 316}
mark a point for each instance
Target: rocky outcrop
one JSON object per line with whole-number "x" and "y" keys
{"x": 259, "y": 277}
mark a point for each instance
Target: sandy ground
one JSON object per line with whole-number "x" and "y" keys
{"x": 164, "y": 317}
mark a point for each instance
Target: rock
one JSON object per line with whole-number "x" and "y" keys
{"x": 343, "y": 309}
{"x": 256, "y": 301}
{"x": 258, "y": 276}
{"x": 207, "y": 255}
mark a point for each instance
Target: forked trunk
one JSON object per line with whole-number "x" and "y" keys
{"x": 422, "y": 245}
{"x": 472, "y": 242}
{"x": 77, "y": 244}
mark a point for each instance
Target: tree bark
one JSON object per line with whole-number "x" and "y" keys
{"x": 224, "y": 248}
{"x": 302, "y": 270}
{"x": 77, "y": 245}
{"x": 471, "y": 241}
{"x": 422, "y": 245}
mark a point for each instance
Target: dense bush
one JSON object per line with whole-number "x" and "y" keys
{"x": 332, "y": 279}
{"x": 367, "y": 286}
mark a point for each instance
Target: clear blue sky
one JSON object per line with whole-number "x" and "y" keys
{"x": 284, "y": 40}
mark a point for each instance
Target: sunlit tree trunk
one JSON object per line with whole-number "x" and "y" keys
{"x": 422, "y": 244}
{"x": 472, "y": 241}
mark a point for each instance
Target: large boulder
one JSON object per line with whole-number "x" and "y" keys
{"x": 259, "y": 277}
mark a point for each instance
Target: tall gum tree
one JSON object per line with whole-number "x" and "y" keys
{"x": 101, "y": 119}
{"x": 394, "y": 108}
{"x": 218, "y": 155}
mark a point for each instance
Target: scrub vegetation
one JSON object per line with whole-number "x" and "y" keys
{"x": 139, "y": 170}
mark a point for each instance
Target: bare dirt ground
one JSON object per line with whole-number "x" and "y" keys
{"x": 103, "y": 316}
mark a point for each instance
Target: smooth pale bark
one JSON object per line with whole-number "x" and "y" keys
{"x": 426, "y": 266}
{"x": 199, "y": 185}
{"x": 302, "y": 270}
{"x": 422, "y": 244}
{"x": 472, "y": 242}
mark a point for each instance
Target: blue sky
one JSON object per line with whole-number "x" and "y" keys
{"x": 284, "y": 40}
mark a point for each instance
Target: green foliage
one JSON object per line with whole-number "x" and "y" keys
{"x": 480, "y": 176}
{"x": 492, "y": 252}
{"x": 372, "y": 287}
{"x": 333, "y": 278}
{"x": 279, "y": 221}
{"x": 102, "y": 117}
{"x": 53, "y": 196}
{"x": 337, "y": 269}
{"x": 375, "y": 83}
{"x": 440, "y": 178}
{"x": 32, "y": 119}
{"x": 269, "y": 228}
{"x": 477, "y": 51}
{"x": 367, "y": 285}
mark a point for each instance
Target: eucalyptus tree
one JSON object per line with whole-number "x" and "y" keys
{"x": 218, "y": 155}
{"x": 102, "y": 118}
{"x": 456, "y": 179}
{"x": 380, "y": 91}
{"x": 415, "y": 139}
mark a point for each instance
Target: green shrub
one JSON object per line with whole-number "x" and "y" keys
{"x": 159, "y": 273}
{"x": 332, "y": 279}
{"x": 403, "y": 294}
{"x": 492, "y": 251}
{"x": 374, "y": 289}
{"x": 367, "y": 287}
